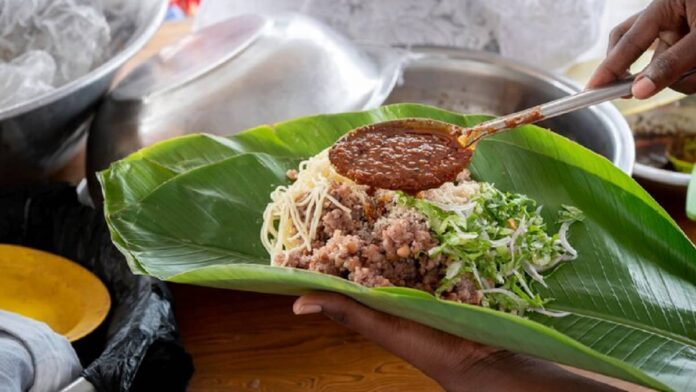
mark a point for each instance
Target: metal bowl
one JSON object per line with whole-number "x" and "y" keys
{"x": 479, "y": 82}
{"x": 41, "y": 135}
{"x": 655, "y": 130}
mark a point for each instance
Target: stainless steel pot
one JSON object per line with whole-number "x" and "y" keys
{"x": 41, "y": 135}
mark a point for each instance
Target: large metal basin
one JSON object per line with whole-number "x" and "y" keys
{"x": 41, "y": 135}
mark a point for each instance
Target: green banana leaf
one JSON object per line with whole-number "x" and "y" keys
{"x": 691, "y": 196}
{"x": 189, "y": 210}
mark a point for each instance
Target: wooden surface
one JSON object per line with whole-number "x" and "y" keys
{"x": 252, "y": 342}
{"x": 245, "y": 341}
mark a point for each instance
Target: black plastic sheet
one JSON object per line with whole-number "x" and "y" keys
{"x": 136, "y": 348}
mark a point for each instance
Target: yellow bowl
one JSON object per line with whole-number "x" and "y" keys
{"x": 52, "y": 289}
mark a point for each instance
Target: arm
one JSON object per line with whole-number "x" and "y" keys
{"x": 455, "y": 363}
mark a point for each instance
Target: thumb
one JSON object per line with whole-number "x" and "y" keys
{"x": 666, "y": 67}
{"x": 344, "y": 311}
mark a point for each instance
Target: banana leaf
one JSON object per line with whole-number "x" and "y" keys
{"x": 691, "y": 196}
{"x": 189, "y": 210}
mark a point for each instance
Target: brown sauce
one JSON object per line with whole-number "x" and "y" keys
{"x": 475, "y": 133}
{"x": 529, "y": 116}
{"x": 399, "y": 158}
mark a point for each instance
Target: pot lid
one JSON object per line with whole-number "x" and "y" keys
{"x": 191, "y": 57}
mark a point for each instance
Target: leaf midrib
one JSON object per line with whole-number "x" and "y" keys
{"x": 258, "y": 155}
{"x": 608, "y": 317}
{"x": 222, "y": 251}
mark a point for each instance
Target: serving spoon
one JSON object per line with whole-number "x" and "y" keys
{"x": 417, "y": 154}
{"x": 551, "y": 109}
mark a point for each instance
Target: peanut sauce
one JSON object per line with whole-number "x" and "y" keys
{"x": 399, "y": 158}
{"x": 529, "y": 116}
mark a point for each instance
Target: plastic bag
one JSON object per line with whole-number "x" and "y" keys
{"x": 548, "y": 33}
{"x": 384, "y": 22}
{"x": 26, "y": 77}
{"x": 73, "y": 33}
{"x": 136, "y": 348}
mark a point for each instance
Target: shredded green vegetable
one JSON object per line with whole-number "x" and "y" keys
{"x": 499, "y": 240}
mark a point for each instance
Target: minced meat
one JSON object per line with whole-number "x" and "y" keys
{"x": 378, "y": 243}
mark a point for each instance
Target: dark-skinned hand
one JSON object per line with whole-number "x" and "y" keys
{"x": 455, "y": 363}
{"x": 669, "y": 24}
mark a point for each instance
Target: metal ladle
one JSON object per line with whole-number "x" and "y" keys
{"x": 555, "y": 108}
{"x": 391, "y": 173}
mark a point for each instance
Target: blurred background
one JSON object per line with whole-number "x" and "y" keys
{"x": 86, "y": 82}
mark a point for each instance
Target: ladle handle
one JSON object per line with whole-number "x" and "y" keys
{"x": 554, "y": 108}
{"x": 587, "y": 98}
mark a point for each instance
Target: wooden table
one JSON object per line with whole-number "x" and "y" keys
{"x": 252, "y": 342}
